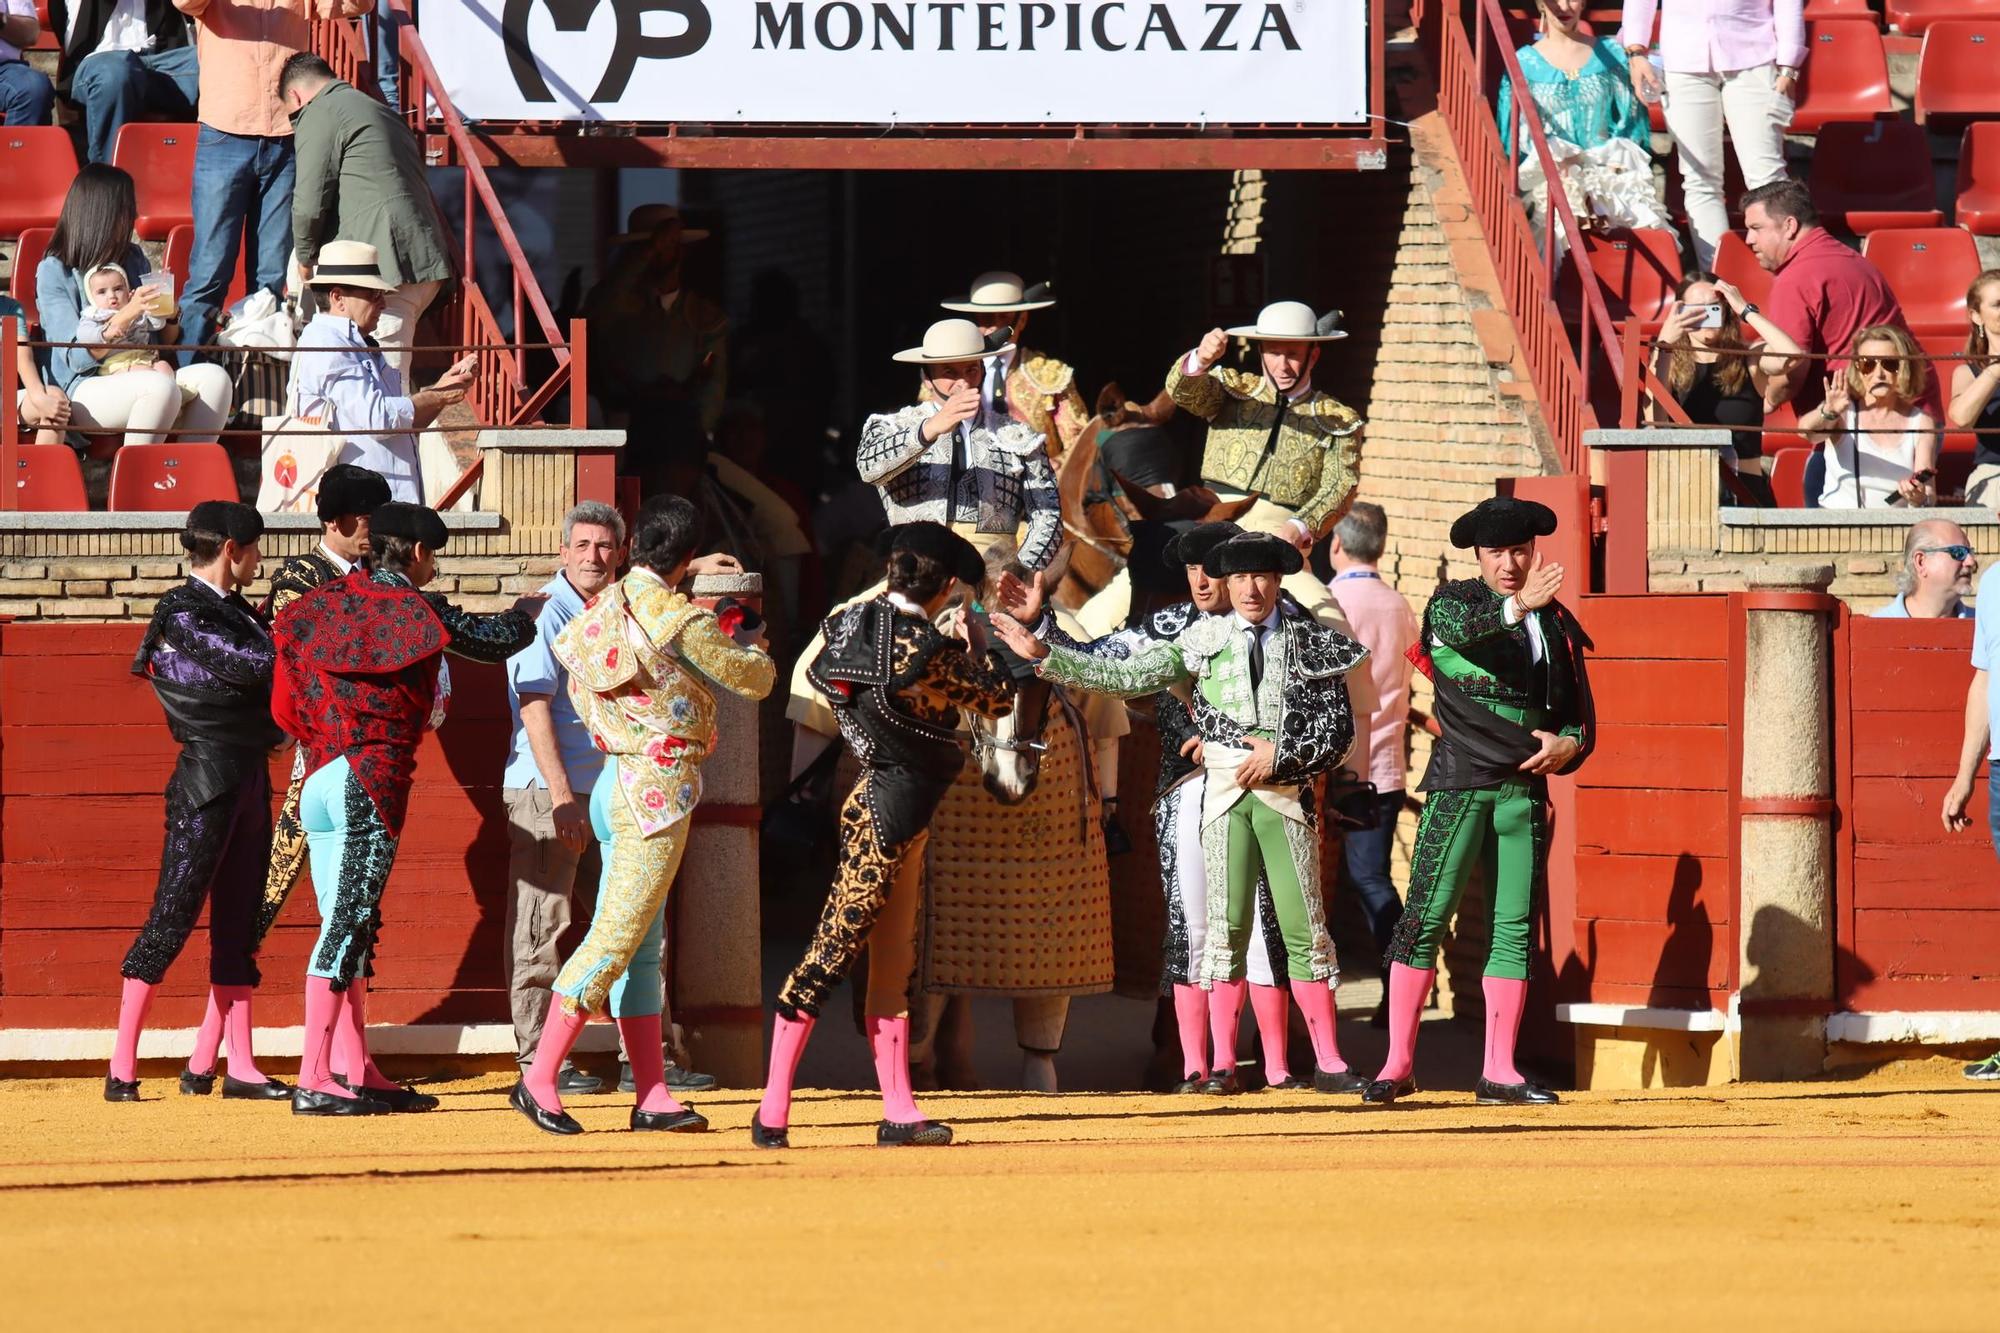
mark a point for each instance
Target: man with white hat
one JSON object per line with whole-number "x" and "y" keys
{"x": 1272, "y": 436}
{"x": 342, "y": 380}
{"x": 653, "y": 340}
{"x": 1035, "y": 389}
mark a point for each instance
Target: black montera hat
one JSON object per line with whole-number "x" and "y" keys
{"x": 1193, "y": 544}
{"x": 1502, "y": 521}
{"x": 412, "y": 523}
{"x": 345, "y": 489}
{"x": 227, "y": 519}
{"x": 941, "y": 544}
{"x": 1253, "y": 553}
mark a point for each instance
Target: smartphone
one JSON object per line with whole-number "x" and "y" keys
{"x": 1711, "y": 316}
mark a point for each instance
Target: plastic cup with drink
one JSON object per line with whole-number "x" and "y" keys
{"x": 162, "y": 304}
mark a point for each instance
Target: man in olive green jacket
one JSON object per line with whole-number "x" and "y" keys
{"x": 360, "y": 177}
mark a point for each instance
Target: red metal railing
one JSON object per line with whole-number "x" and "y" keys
{"x": 1562, "y": 371}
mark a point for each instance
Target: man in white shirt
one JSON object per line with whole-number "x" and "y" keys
{"x": 123, "y": 60}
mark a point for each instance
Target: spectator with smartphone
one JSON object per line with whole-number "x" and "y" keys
{"x": 1716, "y": 376}
{"x": 1881, "y": 446}
{"x": 341, "y": 377}
{"x": 1936, "y": 576}
{"x": 1975, "y": 386}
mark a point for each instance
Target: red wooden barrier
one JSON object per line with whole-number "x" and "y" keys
{"x": 84, "y": 759}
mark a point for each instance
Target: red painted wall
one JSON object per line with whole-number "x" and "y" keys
{"x": 84, "y": 760}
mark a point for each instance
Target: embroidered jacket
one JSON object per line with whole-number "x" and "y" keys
{"x": 209, "y": 660}
{"x": 297, "y": 577}
{"x": 358, "y": 673}
{"x": 1173, "y": 717}
{"x": 1042, "y": 395}
{"x": 1300, "y": 705}
{"x": 1316, "y": 462}
{"x": 1005, "y": 478}
{"x": 637, "y": 656}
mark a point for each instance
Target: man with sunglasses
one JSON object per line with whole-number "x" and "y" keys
{"x": 1936, "y": 577}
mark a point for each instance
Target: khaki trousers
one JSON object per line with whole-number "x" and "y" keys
{"x": 396, "y": 330}
{"x": 541, "y": 876}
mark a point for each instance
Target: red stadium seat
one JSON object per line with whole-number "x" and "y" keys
{"x": 1735, "y": 263}
{"x": 1819, "y": 10}
{"x": 28, "y": 254}
{"x": 1929, "y": 269}
{"x": 1846, "y": 75}
{"x": 37, "y": 162}
{"x": 1637, "y": 269}
{"x": 1978, "y": 209}
{"x": 180, "y": 249}
{"x": 1788, "y": 477}
{"x": 1956, "y": 74}
{"x": 1867, "y": 175}
{"x": 169, "y": 477}
{"x": 160, "y": 158}
{"x": 48, "y": 480}
{"x": 47, "y": 39}
{"x": 1914, "y": 17}
{"x": 1781, "y": 430}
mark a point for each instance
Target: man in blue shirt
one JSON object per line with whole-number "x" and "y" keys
{"x": 1936, "y": 577}
{"x": 1982, "y": 699}
{"x": 551, "y": 767}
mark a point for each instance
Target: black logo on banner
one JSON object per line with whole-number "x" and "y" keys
{"x": 628, "y": 47}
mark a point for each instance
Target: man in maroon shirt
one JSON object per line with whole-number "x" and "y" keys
{"x": 1823, "y": 291}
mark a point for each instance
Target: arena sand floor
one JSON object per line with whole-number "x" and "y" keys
{"x": 1857, "y": 1204}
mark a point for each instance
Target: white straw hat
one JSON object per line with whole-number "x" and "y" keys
{"x": 1000, "y": 292}
{"x": 1291, "y": 321}
{"x": 948, "y": 342}
{"x": 349, "y": 264}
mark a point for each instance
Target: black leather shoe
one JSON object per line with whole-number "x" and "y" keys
{"x": 1488, "y": 1093}
{"x": 1345, "y": 1080}
{"x": 1192, "y": 1083}
{"x": 1222, "y": 1083}
{"x": 763, "y": 1136}
{"x": 401, "y": 1098}
{"x": 549, "y": 1122}
{"x": 197, "y": 1085}
{"x": 1290, "y": 1083}
{"x": 270, "y": 1090}
{"x": 688, "y": 1080}
{"x": 307, "y": 1102}
{"x": 120, "y": 1090}
{"x": 923, "y": 1134}
{"x": 684, "y": 1121}
{"x": 1383, "y": 1091}
{"x": 573, "y": 1082}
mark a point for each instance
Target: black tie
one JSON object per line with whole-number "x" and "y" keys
{"x": 1270, "y": 445}
{"x": 1256, "y": 657}
{"x": 957, "y": 472}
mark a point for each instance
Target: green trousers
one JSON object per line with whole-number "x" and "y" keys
{"x": 1258, "y": 841}
{"x": 1503, "y": 831}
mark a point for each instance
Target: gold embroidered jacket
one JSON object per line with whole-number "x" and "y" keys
{"x": 632, "y": 654}
{"x": 1317, "y": 461}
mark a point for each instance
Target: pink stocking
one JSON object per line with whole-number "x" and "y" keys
{"x": 1409, "y": 987}
{"x": 351, "y": 1039}
{"x": 889, "y": 1038}
{"x": 239, "y": 1025}
{"x": 1316, "y": 1003}
{"x": 208, "y": 1037}
{"x": 559, "y": 1033}
{"x": 133, "y": 1003}
{"x": 323, "y": 1006}
{"x": 649, "y": 1065}
{"x": 1191, "y": 1010}
{"x": 1505, "y": 999}
{"x": 788, "y": 1047}
{"x": 1225, "y": 1016}
{"x": 1274, "y": 1023}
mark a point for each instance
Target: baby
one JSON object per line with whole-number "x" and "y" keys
{"x": 118, "y": 316}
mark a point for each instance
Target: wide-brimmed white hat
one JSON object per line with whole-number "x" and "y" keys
{"x": 1001, "y": 292}
{"x": 1292, "y": 322}
{"x": 646, "y": 219}
{"x": 948, "y": 342}
{"x": 349, "y": 264}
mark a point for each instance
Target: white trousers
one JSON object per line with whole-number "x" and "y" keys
{"x": 396, "y": 329}
{"x": 1191, "y": 882}
{"x": 145, "y": 404}
{"x": 1697, "y": 107}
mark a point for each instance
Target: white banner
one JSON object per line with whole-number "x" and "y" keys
{"x": 909, "y": 62}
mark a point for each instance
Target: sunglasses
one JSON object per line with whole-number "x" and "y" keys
{"x": 1959, "y": 553}
{"x": 1868, "y": 364}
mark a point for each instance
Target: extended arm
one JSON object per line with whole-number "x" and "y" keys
{"x": 490, "y": 637}
{"x": 1971, "y": 750}
{"x": 1970, "y": 392}
{"x": 1044, "y": 510}
{"x": 978, "y": 684}
{"x": 745, "y": 671}
{"x": 1152, "y": 670}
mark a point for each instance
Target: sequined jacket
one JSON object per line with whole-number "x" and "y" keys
{"x": 297, "y": 577}
{"x": 1173, "y": 717}
{"x": 357, "y": 674}
{"x": 1301, "y": 704}
{"x": 1006, "y": 480}
{"x": 637, "y": 656}
{"x": 209, "y": 660}
{"x": 1042, "y": 395}
{"x": 1316, "y": 463}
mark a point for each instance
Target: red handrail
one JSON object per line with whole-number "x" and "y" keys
{"x": 1561, "y": 371}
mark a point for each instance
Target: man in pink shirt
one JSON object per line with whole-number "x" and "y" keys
{"x": 1726, "y": 60}
{"x": 1822, "y": 294}
{"x": 1382, "y": 621}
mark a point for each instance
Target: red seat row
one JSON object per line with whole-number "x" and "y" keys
{"x": 1866, "y": 176}
{"x": 38, "y": 162}
{"x": 145, "y": 478}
